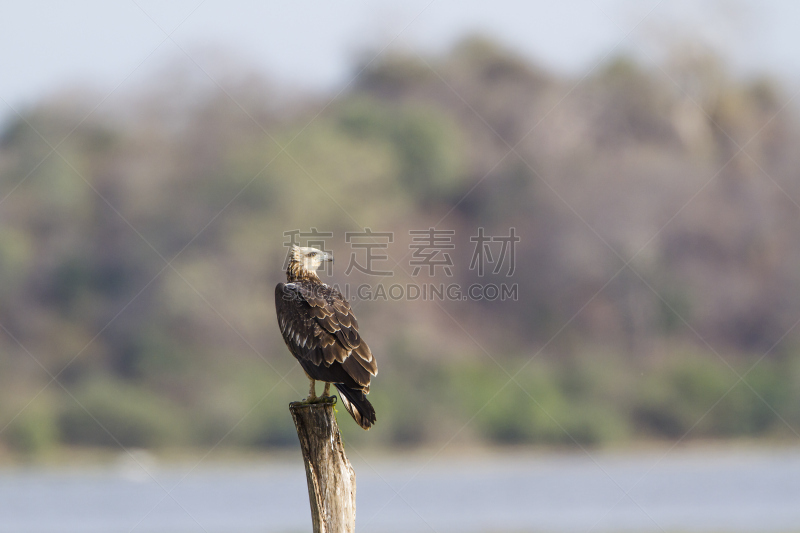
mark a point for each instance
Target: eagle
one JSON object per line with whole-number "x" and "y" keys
{"x": 321, "y": 331}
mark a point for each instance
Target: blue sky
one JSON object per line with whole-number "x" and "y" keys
{"x": 47, "y": 46}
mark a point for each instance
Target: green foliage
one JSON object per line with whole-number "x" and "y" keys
{"x": 104, "y": 412}
{"x": 675, "y": 398}
{"x": 429, "y": 155}
{"x": 425, "y": 142}
{"x": 34, "y": 429}
{"x": 15, "y": 258}
{"x": 266, "y": 421}
{"x": 537, "y": 406}
{"x": 702, "y": 394}
{"x": 141, "y": 258}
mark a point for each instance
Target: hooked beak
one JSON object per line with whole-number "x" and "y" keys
{"x": 328, "y": 257}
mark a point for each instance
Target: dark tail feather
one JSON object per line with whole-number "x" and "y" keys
{"x": 357, "y": 405}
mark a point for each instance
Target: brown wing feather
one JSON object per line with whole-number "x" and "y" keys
{"x": 302, "y": 335}
{"x": 365, "y": 358}
{"x": 321, "y": 331}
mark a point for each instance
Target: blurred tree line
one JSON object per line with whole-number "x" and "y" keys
{"x": 659, "y": 260}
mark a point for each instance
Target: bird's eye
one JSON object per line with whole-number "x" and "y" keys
{"x": 313, "y": 254}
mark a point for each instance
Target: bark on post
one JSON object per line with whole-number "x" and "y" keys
{"x": 331, "y": 479}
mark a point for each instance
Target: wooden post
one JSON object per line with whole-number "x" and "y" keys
{"x": 331, "y": 479}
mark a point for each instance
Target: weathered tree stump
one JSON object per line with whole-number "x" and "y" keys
{"x": 331, "y": 479}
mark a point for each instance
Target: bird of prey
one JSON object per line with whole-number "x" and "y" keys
{"x": 322, "y": 333}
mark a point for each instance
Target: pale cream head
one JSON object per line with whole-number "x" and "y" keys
{"x": 310, "y": 259}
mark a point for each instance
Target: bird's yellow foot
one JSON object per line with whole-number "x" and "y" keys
{"x": 321, "y": 399}
{"x": 311, "y": 399}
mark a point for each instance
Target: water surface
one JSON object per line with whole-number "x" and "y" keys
{"x": 708, "y": 491}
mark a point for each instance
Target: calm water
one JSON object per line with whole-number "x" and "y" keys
{"x": 698, "y": 491}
